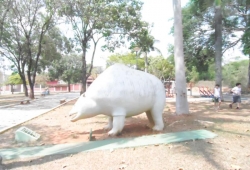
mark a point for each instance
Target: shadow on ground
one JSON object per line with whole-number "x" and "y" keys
{"x": 229, "y": 124}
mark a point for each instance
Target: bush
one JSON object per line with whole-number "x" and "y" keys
{"x": 236, "y": 72}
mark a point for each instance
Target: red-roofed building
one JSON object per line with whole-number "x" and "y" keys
{"x": 60, "y": 86}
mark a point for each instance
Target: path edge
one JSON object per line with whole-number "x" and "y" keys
{"x": 24, "y": 121}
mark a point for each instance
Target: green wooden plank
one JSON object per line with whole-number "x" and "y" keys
{"x": 105, "y": 144}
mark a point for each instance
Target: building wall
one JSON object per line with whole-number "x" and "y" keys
{"x": 39, "y": 88}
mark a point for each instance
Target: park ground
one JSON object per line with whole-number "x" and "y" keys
{"x": 230, "y": 150}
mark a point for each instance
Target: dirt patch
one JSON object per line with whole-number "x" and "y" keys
{"x": 55, "y": 127}
{"x": 230, "y": 149}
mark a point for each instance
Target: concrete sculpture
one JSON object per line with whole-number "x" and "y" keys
{"x": 121, "y": 92}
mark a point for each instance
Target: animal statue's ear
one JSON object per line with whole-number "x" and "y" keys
{"x": 83, "y": 95}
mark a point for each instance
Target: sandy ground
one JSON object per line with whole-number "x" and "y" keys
{"x": 230, "y": 150}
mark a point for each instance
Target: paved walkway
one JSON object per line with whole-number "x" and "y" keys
{"x": 11, "y": 116}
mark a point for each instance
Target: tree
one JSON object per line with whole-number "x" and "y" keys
{"x": 96, "y": 71}
{"x": 180, "y": 79}
{"x": 218, "y": 44}
{"x": 28, "y": 23}
{"x": 202, "y": 18}
{"x": 192, "y": 76}
{"x": 161, "y": 68}
{"x": 5, "y": 6}
{"x": 91, "y": 21}
{"x": 128, "y": 59}
{"x": 54, "y": 45}
{"x": 42, "y": 79}
{"x": 235, "y": 72}
{"x": 68, "y": 68}
{"x": 145, "y": 43}
{"x": 14, "y": 79}
{"x": 246, "y": 49}
{"x": 198, "y": 37}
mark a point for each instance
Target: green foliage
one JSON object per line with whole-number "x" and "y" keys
{"x": 170, "y": 59}
{"x": 161, "y": 68}
{"x": 14, "y": 79}
{"x": 54, "y": 45}
{"x": 246, "y": 42}
{"x": 68, "y": 68}
{"x": 218, "y": 2}
{"x": 199, "y": 34}
{"x": 210, "y": 74}
{"x": 193, "y": 75}
{"x": 235, "y": 72}
{"x": 158, "y": 66}
{"x": 114, "y": 21}
{"x": 198, "y": 48}
{"x": 23, "y": 37}
{"x": 203, "y": 63}
{"x": 128, "y": 59}
{"x": 144, "y": 41}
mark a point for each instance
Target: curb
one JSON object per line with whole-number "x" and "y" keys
{"x": 24, "y": 121}
{"x": 16, "y": 104}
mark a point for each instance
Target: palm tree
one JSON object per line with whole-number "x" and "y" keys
{"x": 144, "y": 44}
{"x": 180, "y": 78}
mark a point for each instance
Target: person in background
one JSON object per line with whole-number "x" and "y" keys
{"x": 236, "y": 96}
{"x": 217, "y": 98}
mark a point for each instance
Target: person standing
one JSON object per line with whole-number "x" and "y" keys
{"x": 217, "y": 98}
{"x": 236, "y": 96}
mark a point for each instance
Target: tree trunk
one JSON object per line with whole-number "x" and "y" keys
{"x": 24, "y": 85}
{"x": 191, "y": 88}
{"x": 146, "y": 63}
{"x": 218, "y": 46}
{"x": 25, "y": 90}
{"x": 68, "y": 86}
{"x": 31, "y": 84}
{"x": 180, "y": 78}
{"x": 32, "y": 96}
{"x": 12, "y": 89}
{"x": 248, "y": 85}
{"x": 84, "y": 71}
{"x": 136, "y": 61}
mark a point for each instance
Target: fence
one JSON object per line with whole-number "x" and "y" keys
{"x": 39, "y": 88}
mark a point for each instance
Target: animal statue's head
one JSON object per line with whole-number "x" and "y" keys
{"x": 83, "y": 108}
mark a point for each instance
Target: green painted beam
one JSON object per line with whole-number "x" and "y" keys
{"x": 71, "y": 148}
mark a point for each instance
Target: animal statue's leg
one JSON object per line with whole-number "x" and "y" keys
{"x": 150, "y": 118}
{"x": 110, "y": 124}
{"x": 118, "y": 124}
{"x": 157, "y": 116}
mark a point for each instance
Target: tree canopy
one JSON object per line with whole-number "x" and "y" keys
{"x": 129, "y": 59}
{"x": 235, "y": 72}
{"x": 158, "y": 66}
{"x": 14, "y": 79}
{"x": 68, "y": 68}
{"x": 112, "y": 20}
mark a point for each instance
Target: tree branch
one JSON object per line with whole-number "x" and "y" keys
{"x": 231, "y": 45}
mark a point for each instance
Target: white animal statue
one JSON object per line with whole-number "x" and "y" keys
{"x": 121, "y": 92}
